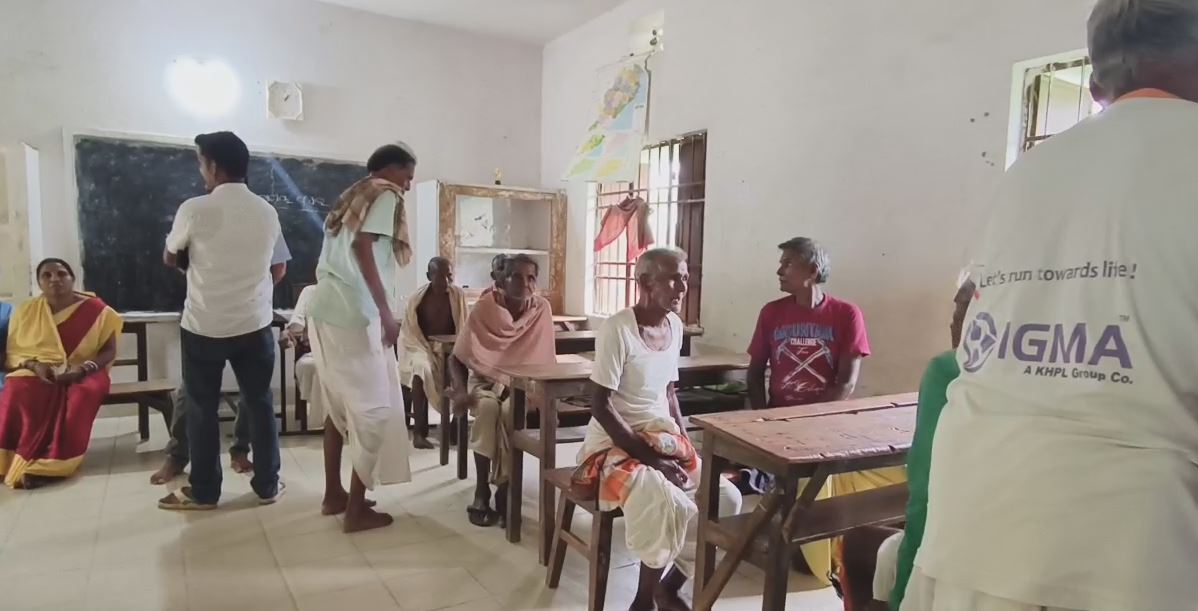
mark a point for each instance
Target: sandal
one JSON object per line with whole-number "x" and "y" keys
{"x": 482, "y": 517}
{"x": 182, "y": 500}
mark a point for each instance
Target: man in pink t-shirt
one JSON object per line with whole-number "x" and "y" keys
{"x": 811, "y": 342}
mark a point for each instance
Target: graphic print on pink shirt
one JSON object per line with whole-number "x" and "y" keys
{"x": 803, "y": 346}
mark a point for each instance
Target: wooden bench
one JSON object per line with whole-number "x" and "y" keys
{"x": 832, "y": 517}
{"x": 146, "y": 394}
{"x": 597, "y": 549}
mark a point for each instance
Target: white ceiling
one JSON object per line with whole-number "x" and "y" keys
{"x": 536, "y": 21}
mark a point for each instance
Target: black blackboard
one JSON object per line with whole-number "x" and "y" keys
{"x": 129, "y": 191}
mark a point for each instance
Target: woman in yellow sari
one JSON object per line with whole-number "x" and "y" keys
{"x": 60, "y": 347}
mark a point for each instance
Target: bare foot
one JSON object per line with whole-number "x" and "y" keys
{"x": 335, "y": 504}
{"x": 241, "y": 463}
{"x": 669, "y": 600}
{"x": 367, "y": 520}
{"x": 169, "y": 471}
{"x": 421, "y": 443}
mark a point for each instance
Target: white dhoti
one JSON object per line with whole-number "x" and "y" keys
{"x": 308, "y": 382}
{"x": 359, "y": 384}
{"x": 655, "y": 518}
{"x": 927, "y": 594}
{"x": 417, "y": 362}
{"x": 660, "y": 519}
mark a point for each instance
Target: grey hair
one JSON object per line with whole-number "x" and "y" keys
{"x": 510, "y": 263}
{"x": 812, "y": 253}
{"x": 1125, "y": 34}
{"x": 650, "y": 261}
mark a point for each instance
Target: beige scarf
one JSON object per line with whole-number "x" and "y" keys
{"x": 493, "y": 339}
{"x": 354, "y": 205}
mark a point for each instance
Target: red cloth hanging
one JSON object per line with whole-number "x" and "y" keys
{"x": 631, "y": 214}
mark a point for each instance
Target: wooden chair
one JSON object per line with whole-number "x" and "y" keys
{"x": 597, "y": 549}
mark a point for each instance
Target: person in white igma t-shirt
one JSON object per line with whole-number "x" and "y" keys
{"x": 1064, "y": 471}
{"x": 636, "y": 451}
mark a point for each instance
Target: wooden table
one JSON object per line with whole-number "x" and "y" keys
{"x": 541, "y": 386}
{"x": 280, "y": 319}
{"x": 574, "y": 342}
{"x": 565, "y": 342}
{"x": 136, "y": 324}
{"x": 810, "y": 441}
{"x": 569, "y": 322}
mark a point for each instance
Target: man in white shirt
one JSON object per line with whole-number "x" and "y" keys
{"x": 636, "y": 452}
{"x": 230, "y": 236}
{"x": 1063, "y": 472}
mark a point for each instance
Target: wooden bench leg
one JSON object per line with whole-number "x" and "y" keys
{"x": 443, "y": 428}
{"x": 548, "y": 461}
{"x": 515, "y": 469}
{"x": 143, "y": 420}
{"x": 446, "y": 418}
{"x": 600, "y": 552}
{"x": 557, "y": 560}
{"x": 463, "y": 445}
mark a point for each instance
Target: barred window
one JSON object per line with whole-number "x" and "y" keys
{"x": 1056, "y": 96}
{"x": 671, "y": 182}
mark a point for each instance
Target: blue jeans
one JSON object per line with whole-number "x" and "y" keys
{"x": 253, "y": 359}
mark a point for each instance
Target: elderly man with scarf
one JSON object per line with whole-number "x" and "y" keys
{"x": 352, "y": 330}
{"x": 509, "y": 326}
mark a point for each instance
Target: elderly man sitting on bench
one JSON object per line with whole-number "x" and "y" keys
{"x": 636, "y": 453}
{"x": 509, "y": 326}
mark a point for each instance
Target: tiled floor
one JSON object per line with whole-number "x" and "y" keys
{"x": 99, "y": 542}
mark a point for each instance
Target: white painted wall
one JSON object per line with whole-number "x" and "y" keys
{"x": 466, "y": 103}
{"x": 877, "y": 127}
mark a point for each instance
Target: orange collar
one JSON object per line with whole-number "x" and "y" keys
{"x": 1148, "y": 93}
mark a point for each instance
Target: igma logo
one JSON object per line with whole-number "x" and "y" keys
{"x": 1043, "y": 344}
{"x": 980, "y": 339}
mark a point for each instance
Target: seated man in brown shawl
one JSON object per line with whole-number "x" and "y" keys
{"x": 512, "y": 326}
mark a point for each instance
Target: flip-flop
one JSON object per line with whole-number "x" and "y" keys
{"x": 483, "y": 518}
{"x": 181, "y": 500}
